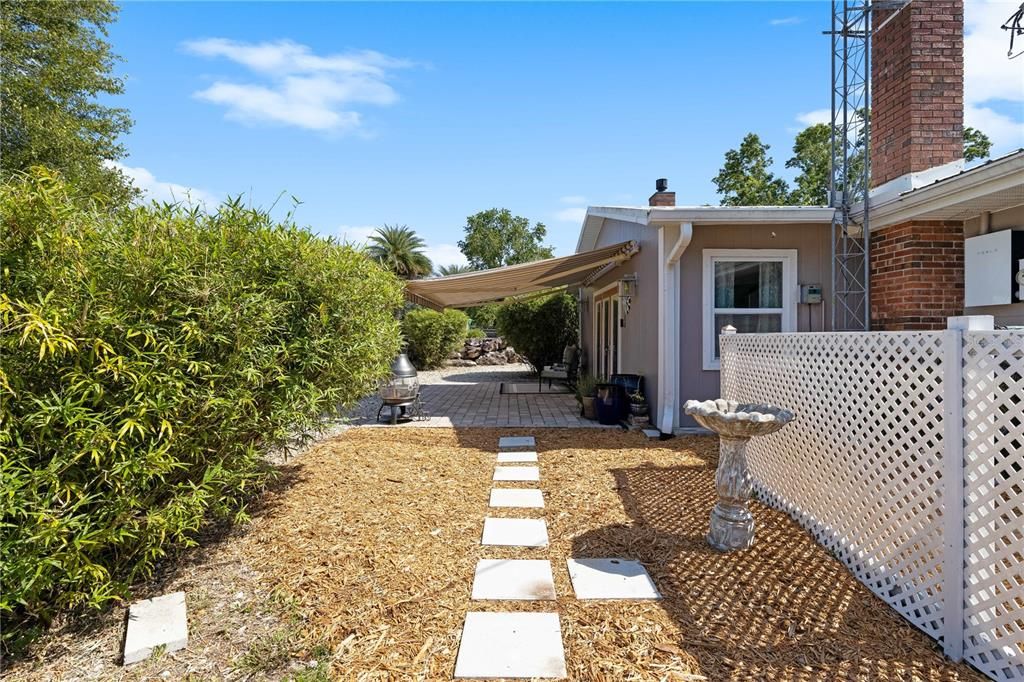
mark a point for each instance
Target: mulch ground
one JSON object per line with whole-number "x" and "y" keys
{"x": 358, "y": 566}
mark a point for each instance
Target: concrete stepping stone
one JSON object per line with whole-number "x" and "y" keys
{"x": 524, "y": 456}
{"x": 511, "y": 645}
{"x": 611, "y": 579}
{"x": 529, "y": 498}
{"x": 521, "y": 579}
{"x": 513, "y": 442}
{"x": 160, "y": 621}
{"x": 515, "y": 532}
{"x": 516, "y": 474}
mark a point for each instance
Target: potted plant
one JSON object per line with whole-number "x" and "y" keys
{"x": 586, "y": 387}
{"x": 638, "y": 404}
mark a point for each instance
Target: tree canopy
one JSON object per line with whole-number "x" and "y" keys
{"x": 976, "y": 144}
{"x": 400, "y": 250}
{"x": 745, "y": 179}
{"x": 496, "y": 237}
{"x": 55, "y": 63}
{"x": 456, "y": 269}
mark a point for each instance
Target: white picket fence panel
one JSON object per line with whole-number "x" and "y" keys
{"x": 865, "y": 468}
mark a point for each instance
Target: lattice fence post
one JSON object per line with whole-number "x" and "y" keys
{"x": 953, "y": 489}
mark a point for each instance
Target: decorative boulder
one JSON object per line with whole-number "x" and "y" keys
{"x": 491, "y": 359}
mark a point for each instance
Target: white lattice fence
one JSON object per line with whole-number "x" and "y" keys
{"x": 866, "y": 468}
{"x": 994, "y": 502}
{"x": 860, "y": 467}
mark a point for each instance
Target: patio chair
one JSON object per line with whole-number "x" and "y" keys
{"x": 563, "y": 371}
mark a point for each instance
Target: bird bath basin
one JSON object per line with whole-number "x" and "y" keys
{"x": 732, "y": 525}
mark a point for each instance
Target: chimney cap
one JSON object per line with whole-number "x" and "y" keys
{"x": 661, "y": 184}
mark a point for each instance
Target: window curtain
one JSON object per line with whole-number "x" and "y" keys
{"x": 770, "y": 281}
{"x": 725, "y": 284}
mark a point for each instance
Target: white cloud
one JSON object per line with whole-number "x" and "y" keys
{"x": 356, "y": 234}
{"x": 445, "y": 254}
{"x": 155, "y": 190}
{"x": 576, "y": 214}
{"x": 990, "y": 76}
{"x": 786, "y": 21}
{"x": 810, "y": 118}
{"x": 574, "y": 200}
{"x": 299, "y": 88}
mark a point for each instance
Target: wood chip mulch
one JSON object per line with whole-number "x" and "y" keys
{"x": 375, "y": 538}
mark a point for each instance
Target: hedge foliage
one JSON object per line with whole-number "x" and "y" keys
{"x": 150, "y": 356}
{"x": 431, "y": 336}
{"x": 540, "y": 328}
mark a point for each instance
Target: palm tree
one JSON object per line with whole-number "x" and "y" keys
{"x": 400, "y": 249}
{"x": 457, "y": 269}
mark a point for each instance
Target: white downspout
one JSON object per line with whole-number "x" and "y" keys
{"x": 668, "y": 321}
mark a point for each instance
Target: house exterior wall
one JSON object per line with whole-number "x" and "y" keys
{"x": 814, "y": 253}
{"x": 638, "y": 337}
{"x": 1005, "y": 315}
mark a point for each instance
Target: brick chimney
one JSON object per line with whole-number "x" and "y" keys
{"x": 917, "y": 99}
{"x": 662, "y": 197}
{"x": 917, "y": 80}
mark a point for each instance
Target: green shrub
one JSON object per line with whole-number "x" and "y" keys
{"x": 540, "y": 328}
{"x": 150, "y": 356}
{"x": 476, "y": 333}
{"x": 485, "y": 316}
{"x": 431, "y": 336}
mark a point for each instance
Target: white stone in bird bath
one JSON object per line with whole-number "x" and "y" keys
{"x": 732, "y": 525}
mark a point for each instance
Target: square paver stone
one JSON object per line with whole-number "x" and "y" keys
{"x": 515, "y": 532}
{"x": 524, "y": 456}
{"x": 522, "y": 579}
{"x": 516, "y": 474}
{"x": 611, "y": 579}
{"x": 160, "y": 621}
{"x": 529, "y": 498}
{"x": 511, "y": 645}
{"x": 510, "y": 442}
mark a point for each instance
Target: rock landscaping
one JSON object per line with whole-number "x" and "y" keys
{"x": 484, "y": 352}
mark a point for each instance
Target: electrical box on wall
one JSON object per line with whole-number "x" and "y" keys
{"x": 810, "y": 293}
{"x": 991, "y": 264}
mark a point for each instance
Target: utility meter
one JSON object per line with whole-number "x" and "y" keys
{"x": 810, "y": 293}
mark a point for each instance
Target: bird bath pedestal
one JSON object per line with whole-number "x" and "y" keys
{"x": 732, "y": 525}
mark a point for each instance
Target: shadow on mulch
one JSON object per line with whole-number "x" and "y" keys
{"x": 783, "y": 610}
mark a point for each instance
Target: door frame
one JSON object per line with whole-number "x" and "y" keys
{"x": 601, "y": 295}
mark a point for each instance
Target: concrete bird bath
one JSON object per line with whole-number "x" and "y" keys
{"x": 732, "y": 525}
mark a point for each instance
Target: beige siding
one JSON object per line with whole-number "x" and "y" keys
{"x": 813, "y": 267}
{"x": 638, "y": 337}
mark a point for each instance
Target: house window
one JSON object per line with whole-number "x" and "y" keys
{"x": 753, "y": 290}
{"x": 607, "y": 321}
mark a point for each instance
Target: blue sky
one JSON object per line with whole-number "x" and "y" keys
{"x": 423, "y": 113}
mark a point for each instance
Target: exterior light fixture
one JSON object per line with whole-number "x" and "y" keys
{"x": 627, "y": 290}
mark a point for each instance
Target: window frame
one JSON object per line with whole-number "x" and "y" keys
{"x": 788, "y": 258}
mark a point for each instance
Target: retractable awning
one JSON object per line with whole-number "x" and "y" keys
{"x": 484, "y": 286}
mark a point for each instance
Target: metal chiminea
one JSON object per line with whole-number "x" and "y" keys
{"x": 402, "y": 390}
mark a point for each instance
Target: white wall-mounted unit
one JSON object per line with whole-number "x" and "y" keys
{"x": 991, "y": 263}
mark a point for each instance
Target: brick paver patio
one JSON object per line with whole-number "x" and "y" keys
{"x": 471, "y": 397}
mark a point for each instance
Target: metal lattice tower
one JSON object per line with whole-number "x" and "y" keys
{"x": 851, "y": 100}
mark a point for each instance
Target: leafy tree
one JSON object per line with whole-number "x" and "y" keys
{"x": 457, "y": 269}
{"x": 540, "y": 327}
{"x": 54, "y": 64}
{"x": 400, "y": 250}
{"x": 745, "y": 180}
{"x": 812, "y": 151}
{"x": 496, "y": 237}
{"x": 976, "y": 144}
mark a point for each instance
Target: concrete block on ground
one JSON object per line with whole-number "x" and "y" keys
{"x": 512, "y": 456}
{"x": 611, "y": 579}
{"x": 511, "y": 645}
{"x": 161, "y": 621}
{"x": 516, "y": 474}
{"x": 516, "y": 442}
{"x": 515, "y": 532}
{"x": 528, "y": 498}
{"x": 516, "y": 579}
